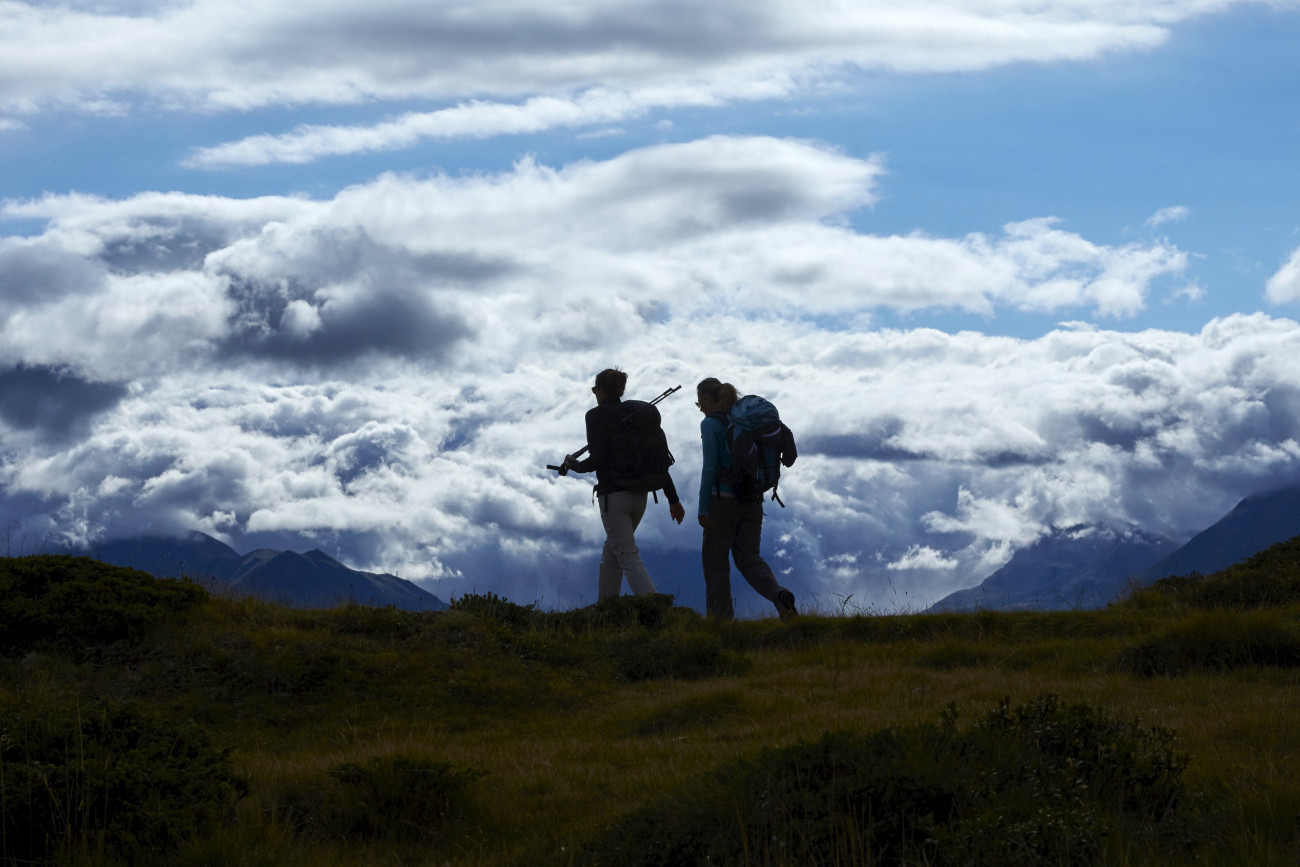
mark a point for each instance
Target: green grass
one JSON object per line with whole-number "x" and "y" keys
{"x": 497, "y": 734}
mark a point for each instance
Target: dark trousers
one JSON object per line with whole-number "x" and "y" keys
{"x": 734, "y": 530}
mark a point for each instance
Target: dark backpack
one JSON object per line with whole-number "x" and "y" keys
{"x": 638, "y": 457}
{"x": 760, "y": 445}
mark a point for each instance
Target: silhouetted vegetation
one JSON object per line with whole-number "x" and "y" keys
{"x": 1040, "y": 783}
{"x": 106, "y": 781}
{"x": 1270, "y": 579}
{"x": 73, "y": 604}
{"x": 143, "y": 722}
{"x": 1223, "y": 640}
{"x": 394, "y": 799}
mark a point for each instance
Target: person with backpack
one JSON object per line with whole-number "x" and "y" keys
{"x": 629, "y": 453}
{"x": 731, "y": 497}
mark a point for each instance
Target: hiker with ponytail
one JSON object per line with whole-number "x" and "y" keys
{"x": 732, "y": 528}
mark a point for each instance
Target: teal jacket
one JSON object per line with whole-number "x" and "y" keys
{"x": 713, "y": 433}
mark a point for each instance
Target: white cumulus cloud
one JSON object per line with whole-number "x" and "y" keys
{"x": 1284, "y": 286}
{"x": 387, "y": 371}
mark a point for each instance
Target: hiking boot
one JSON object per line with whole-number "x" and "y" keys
{"x": 785, "y": 605}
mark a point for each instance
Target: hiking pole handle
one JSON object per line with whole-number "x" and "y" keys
{"x": 672, "y": 390}
{"x": 563, "y": 469}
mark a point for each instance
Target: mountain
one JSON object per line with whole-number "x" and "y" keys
{"x": 1078, "y": 567}
{"x": 1257, "y": 522}
{"x": 196, "y": 556}
{"x": 310, "y": 580}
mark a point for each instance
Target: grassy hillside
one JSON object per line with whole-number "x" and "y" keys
{"x": 145, "y": 722}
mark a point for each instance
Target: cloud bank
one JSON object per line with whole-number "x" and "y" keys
{"x": 499, "y": 66}
{"x": 387, "y": 371}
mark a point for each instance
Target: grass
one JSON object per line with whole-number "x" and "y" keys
{"x": 497, "y": 734}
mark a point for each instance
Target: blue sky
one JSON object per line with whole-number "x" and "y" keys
{"x": 285, "y": 280}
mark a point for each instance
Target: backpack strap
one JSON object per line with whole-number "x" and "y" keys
{"x": 722, "y": 419}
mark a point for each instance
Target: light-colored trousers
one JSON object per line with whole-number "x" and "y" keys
{"x": 621, "y": 513}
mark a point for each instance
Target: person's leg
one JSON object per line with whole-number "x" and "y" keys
{"x": 610, "y": 580}
{"x": 715, "y": 553}
{"x": 621, "y": 513}
{"x": 750, "y": 563}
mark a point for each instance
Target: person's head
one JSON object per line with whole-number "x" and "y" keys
{"x": 714, "y": 395}
{"x": 610, "y": 384}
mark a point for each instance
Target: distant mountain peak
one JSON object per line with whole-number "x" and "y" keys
{"x": 309, "y": 580}
{"x": 1088, "y": 565}
{"x": 1258, "y": 521}
{"x": 1073, "y": 566}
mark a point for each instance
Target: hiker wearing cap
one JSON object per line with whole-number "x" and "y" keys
{"x": 732, "y": 522}
{"x": 628, "y": 451}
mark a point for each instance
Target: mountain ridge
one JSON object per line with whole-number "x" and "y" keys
{"x": 1059, "y": 571}
{"x": 309, "y": 580}
{"x": 1082, "y": 566}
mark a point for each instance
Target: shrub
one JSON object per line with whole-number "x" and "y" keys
{"x": 685, "y": 656}
{"x": 71, "y": 604}
{"x": 1217, "y": 640}
{"x": 653, "y": 611}
{"x": 1035, "y": 784}
{"x": 386, "y": 622}
{"x": 106, "y": 779}
{"x": 497, "y": 609}
{"x": 399, "y": 798}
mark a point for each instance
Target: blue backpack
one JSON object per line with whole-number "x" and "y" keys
{"x": 760, "y": 445}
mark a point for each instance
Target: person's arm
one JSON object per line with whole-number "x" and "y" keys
{"x": 596, "y": 427}
{"x": 670, "y": 490}
{"x": 675, "y": 507}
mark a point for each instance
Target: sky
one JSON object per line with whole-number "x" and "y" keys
{"x": 339, "y": 275}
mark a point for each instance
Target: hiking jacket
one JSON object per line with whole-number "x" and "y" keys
{"x": 717, "y": 456}
{"x": 600, "y": 420}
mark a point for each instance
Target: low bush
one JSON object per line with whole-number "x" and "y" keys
{"x": 682, "y": 656}
{"x": 1037, "y": 784}
{"x": 386, "y": 622}
{"x": 1217, "y": 640}
{"x": 71, "y": 604}
{"x": 106, "y": 780}
{"x": 396, "y": 798}
{"x": 653, "y": 612}
{"x": 498, "y": 609}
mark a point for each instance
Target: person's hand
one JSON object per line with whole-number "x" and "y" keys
{"x": 704, "y": 521}
{"x": 677, "y": 511}
{"x": 569, "y": 461}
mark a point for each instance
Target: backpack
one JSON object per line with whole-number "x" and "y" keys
{"x": 760, "y": 445}
{"x": 638, "y": 457}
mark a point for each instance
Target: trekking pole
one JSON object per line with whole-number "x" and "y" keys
{"x": 563, "y": 469}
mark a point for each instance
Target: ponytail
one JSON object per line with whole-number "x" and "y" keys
{"x": 723, "y": 393}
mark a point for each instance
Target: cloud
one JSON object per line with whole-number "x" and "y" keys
{"x": 1167, "y": 215}
{"x": 385, "y": 373}
{"x": 477, "y": 119}
{"x": 111, "y": 56}
{"x": 922, "y": 557}
{"x": 488, "y": 267}
{"x": 35, "y": 271}
{"x": 51, "y": 402}
{"x": 1284, "y": 286}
